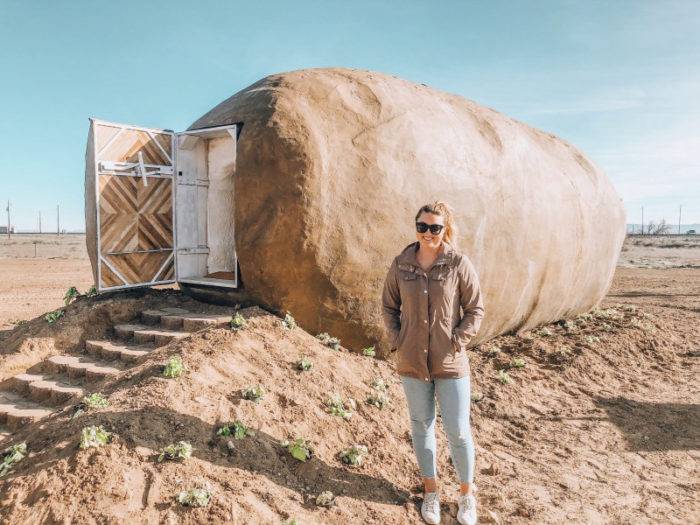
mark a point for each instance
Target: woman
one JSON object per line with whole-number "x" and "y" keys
{"x": 425, "y": 287}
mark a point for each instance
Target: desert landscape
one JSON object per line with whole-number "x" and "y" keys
{"x": 594, "y": 419}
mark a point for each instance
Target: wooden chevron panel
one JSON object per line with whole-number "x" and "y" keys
{"x": 119, "y": 213}
{"x": 156, "y": 148}
{"x": 107, "y": 277}
{"x": 134, "y": 216}
{"x": 169, "y": 272}
{"x": 155, "y": 222}
{"x": 136, "y": 268}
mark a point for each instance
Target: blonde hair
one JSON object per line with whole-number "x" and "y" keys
{"x": 446, "y": 211}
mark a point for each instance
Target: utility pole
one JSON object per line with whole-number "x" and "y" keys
{"x": 8, "y": 219}
{"x": 642, "y": 220}
{"x": 39, "y": 222}
{"x": 58, "y": 220}
{"x": 680, "y": 209}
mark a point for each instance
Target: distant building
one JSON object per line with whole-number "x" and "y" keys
{"x": 690, "y": 232}
{"x": 3, "y": 230}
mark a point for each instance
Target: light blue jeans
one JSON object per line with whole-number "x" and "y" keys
{"x": 454, "y": 397}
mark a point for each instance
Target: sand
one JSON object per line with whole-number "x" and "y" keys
{"x": 599, "y": 426}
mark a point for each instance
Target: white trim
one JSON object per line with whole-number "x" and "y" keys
{"x": 138, "y": 285}
{"x": 160, "y": 270}
{"x": 109, "y": 142}
{"x": 150, "y": 134}
{"x": 173, "y": 200}
{"x": 130, "y": 126}
{"x": 142, "y": 169}
{"x": 207, "y": 130}
{"x": 114, "y": 270}
{"x": 209, "y": 281}
{"x": 97, "y": 207}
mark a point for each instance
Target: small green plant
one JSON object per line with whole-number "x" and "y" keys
{"x": 335, "y": 406}
{"x": 174, "y": 367}
{"x": 236, "y": 429}
{"x": 493, "y": 351}
{"x": 353, "y": 455}
{"x": 254, "y": 393}
{"x": 10, "y": 456}
{"x": 92, "y": 292}
{"x": 325, "y": 499}
{"x": 70, "y": 295}
{"x": 592, "y": 339}
{"x": 584, "y": 318}
{"x": 174, "y": 451}
{"x": 238, "y": 322}
{"x": 503, "y": 377}
{"x": 95, "y": 400}
{"x": 378, "y": 399}
{"x": 562, "y": 353}
{"x": 477, "y": 396}
{"x": 299, "y": 449}
{"x": 21, "y": 322}
{"x": 369, "y": 351}
{"x": 517, "y": 362}
{"x": 291, "y": 521}
{"x": 304, "y": 364}
{"x": 629, "y": 308}
{"x": 379, "y": 384}
{"x": 289, "y": 322}
{"x": 544, "y": 332}
{"x": 607, "y": 313}
{"x": 54, "y": 316}
{"x": 331, "y": 342}
{"x": 642, "y": 325}
{"x": 196, "y": 497}
{"x": 569, "y": 326}
{"x": 94, "y": 436}
{"x": 607, "y": 327}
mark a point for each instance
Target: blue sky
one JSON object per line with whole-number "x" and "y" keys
{"x": 618, "y": 79}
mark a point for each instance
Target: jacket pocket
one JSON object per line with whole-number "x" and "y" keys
{"x": 402, "y": 334}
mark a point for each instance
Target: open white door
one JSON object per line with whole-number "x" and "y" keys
{"x": 205, "y": 165}
{"x": 134, "y": 197}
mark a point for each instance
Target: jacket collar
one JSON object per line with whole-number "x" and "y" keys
{"x": 408, "y": 256}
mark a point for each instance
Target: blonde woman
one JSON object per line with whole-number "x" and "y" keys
{"x": 427, "y": 284}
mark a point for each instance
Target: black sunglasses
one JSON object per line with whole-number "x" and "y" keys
{"x": 422, "y": 227}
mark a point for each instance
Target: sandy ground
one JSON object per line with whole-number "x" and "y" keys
{"x": 32, "y": 285}
{"x": 602, "y": 425}
{"x": 62, "y": 262}
{"x": 666, "y": 251}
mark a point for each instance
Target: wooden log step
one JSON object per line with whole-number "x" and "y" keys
{"x": 111, "y": 351}
{"x": 152, "y": 317}
{"x": 16, "y": 411}
{"x": 159, "y": 337}
{"x": 53, "y": 392}
{"x": 76, "y": 367}
{"x": 126, "y": 331}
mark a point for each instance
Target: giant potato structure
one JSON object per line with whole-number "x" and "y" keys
{"x": 331, "y": 165}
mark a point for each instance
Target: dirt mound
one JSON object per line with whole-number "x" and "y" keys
{"x": 573, "y": 437}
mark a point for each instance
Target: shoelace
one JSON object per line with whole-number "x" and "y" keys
{"x": 432, "y": 501}
{"x": 466, "y": 501}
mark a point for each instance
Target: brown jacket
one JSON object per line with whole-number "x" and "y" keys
{"x": 421, "y": 312}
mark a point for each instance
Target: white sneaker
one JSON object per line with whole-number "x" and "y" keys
{"x": 466, "y": 515}
{"x": 430, "y": 509}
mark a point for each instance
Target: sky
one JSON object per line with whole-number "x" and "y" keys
{"x": 620, "y": 80}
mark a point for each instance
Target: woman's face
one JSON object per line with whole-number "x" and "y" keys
{"x": 428, "y": 239}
